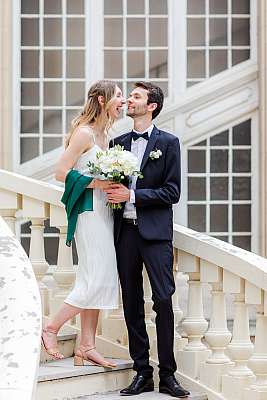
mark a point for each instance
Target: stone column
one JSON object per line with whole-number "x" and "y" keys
{"x": 64, "y": 274}
{"x": 37, "y": 258}
{"x": 195, "y": 326}
{"x": 6, "y": 106}
{"x": 240, "y": 350}
{"x": 262, "y": 56}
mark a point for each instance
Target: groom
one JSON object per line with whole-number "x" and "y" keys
{"x": 143, "y": 231}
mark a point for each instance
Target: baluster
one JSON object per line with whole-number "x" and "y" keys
{"x": 37, "y": 258}
{"x": 149, "y": 313}
{"x": 217, "y": 336}
{"x": 194, "y": 324}
{"x": 258, "y": 361}
{"x": 64, "y": 274}
{"x": 10, "y": 202}
{"x": 114, "y": 326}
{"x": 240, "y": 348}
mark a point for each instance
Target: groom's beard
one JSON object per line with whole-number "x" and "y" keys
{"x": 139, "y": 111}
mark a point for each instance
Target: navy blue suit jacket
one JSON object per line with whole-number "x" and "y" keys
{"x": 158, "y": 190}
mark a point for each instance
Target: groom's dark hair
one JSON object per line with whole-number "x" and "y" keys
{"x": 155, "y": 95}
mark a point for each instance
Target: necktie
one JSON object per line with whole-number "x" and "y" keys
{"x": 136, "y": 135}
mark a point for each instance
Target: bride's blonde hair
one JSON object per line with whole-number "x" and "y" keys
{"x": 92, "y": 110}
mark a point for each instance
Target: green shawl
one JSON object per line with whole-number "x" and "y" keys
{"x": 77, "y": 199}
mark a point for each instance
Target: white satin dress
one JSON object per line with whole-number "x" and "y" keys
{"x": 96, "y": 285}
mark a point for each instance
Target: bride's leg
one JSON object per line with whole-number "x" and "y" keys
{"x": 89, "y": 319}
{"x": 49, "y": 334}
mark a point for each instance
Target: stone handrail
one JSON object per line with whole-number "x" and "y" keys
{"x": 20, "y": 320}
{"x": 223, "y": 364}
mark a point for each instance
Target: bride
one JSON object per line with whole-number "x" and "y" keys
{"x": 96, "y": 285}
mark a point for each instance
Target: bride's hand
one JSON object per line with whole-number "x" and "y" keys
{"x": 101, "y": 184}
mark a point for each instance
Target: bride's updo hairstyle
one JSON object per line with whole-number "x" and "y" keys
{"x": 92, "y": 111}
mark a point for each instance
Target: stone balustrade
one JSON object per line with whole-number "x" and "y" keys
{"x": 226, "y": 365}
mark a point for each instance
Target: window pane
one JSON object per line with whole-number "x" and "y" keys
{"x": 75, "y": 7}
{"x": 218, "y": 6}
{"x": 75, "y": 95}
{"x": 52, "y": 7}
{"x": 197, "y": 217}
{"x": 195, "y": 64}
{"x": 158, "y": 64}
{"x": 218, "y": 218}
{"x": 51, "y": 144}
{"x": 75, "y": 64}
{"x": 241, "y": 218}
{"x": 29, "y": 121}
{"x": 75, "y": 32}
{"x": 195, "y": 32}
{"x": 202, "y": 143}
{"x": 52, "y": 63}
{"x": 52, "y": 32}
{"x": 158, "y": 32}
{"x": 29, "y": 149}
{"x": 158, "y": 7}
{"x": 240, "y": 7}
{"x": 163, "y": 86}
{"x": 218, "y": 31}
{"x": 219, "y": 140}
{"x": 196, "y": 188}
{"x": 196, "y": 161}
{"x": 218, "y": 61}
{"x": 135, "y": 7}
{"x": 241, "y": 161}
{"x": 136, "y": 32}
{"x": 113, "y": 64}
{"x": 241, "y": 133}
{"x": 29, "y": 94}
{"x": 239, "y": 56}
{"x": 240, "y": 32}
{"x": 52, "y": 121}
{"x": 30, "y": 6}
{"x": 51, "y": 249}
{"x": 29, "y": 32}
{"x": 241, "y": 188}
{"x": 29, "y": 63}
{"x": 113, "y": 7}
{"x": 70, "y": 114}
{"x": 113, "y": 32}
{"x": 219, "y": 161}
{"x": 196, "y": 7}
{"x": 136, "y": 64}
{"x": 219, "y": 188}
{"x": 52, "y": 93}
{"x": 242, "y": 241}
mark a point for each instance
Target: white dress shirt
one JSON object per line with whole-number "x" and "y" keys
{"x": 138, "y": 148}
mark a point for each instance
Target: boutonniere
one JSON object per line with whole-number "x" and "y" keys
{"x": 155, "y": 154}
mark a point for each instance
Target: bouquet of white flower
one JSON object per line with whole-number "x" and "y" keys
{"x": 115, "y": 164}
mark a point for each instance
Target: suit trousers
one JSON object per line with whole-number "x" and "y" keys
{"x": 132, "y": 252}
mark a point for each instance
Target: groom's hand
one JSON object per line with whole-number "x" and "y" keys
{"x": 118, "y": 194}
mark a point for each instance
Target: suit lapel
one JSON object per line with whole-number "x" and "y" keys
{"x": 149, "y": 147}
{"x": 127, "y": 142}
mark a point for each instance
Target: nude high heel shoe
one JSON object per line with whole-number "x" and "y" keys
{"x": 82, "y": 355}
{"x": 52, "y": 351}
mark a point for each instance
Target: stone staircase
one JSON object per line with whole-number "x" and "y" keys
{"x": 60, "y": 380}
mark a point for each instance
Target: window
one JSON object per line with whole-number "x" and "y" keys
{"x": 219, "y": 185}
{"x": 52, "y": 72}
{"x": 218, "y": 37}
{"x": 136, "y": 42}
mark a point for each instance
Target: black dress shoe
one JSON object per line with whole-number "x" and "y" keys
{"x": 139, "y": 385}
{"x": 170, "y": 386}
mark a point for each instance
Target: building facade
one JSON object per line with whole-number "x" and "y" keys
{"x": 209, "y": 57}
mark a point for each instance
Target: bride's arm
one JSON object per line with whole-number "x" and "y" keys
{"x": 80, "y": 142}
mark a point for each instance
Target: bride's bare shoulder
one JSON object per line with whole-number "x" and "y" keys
{"x": 83, "y": 135}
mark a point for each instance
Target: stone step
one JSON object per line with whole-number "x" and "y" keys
{"x": 147, "y": 396}
{"x": 60, "y": 380}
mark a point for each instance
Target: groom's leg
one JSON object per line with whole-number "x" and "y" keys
{"x": 130, "y": 266}
{"x": 158, "y": 258}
